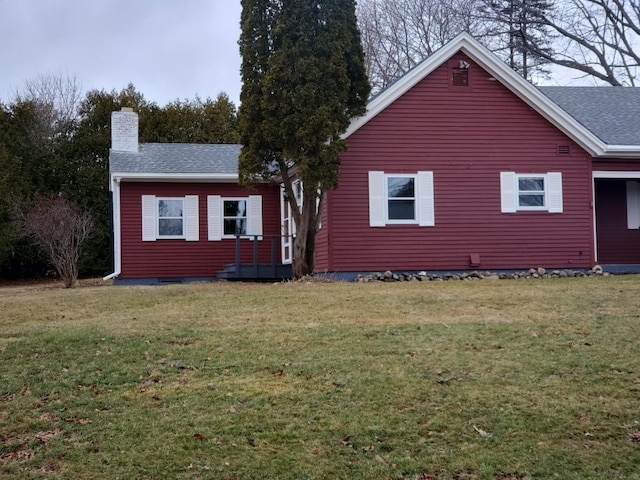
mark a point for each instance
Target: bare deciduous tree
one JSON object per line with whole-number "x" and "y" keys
{"x": 600, "y": 38}
{"x": 55, "y": 98}
{"x": 398, "y": 34}
{"x": 597, "y": 38}
{"x": 60, "y": 228}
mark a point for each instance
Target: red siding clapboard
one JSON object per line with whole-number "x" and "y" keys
{"x": 466, "y": 136}
{"x": 179, "y": 258}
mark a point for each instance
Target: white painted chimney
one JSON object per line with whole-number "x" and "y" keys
{"x": 124, "y": 130}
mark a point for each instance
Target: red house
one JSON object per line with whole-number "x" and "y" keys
{"x": 461, "y": 164}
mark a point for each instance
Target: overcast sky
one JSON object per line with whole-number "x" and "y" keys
{"x": 168, "y": 49}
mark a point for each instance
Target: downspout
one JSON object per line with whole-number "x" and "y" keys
{"x": 115, "y": 188}
{"x": 595, "y": 226}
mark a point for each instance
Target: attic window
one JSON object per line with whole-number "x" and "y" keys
{"x": 460, "y": 74}
{"x": 564, "y": 150}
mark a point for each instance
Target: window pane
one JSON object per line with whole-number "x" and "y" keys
{"x": 531, "y": 200}
{"x": 170, "y": 208}
{"x": 531, "y": 184}
{"x": 402, "y": 210}
{"x": 169, "y": 227}
{"x": 400, "y": 187}
{"x": 234, "y": 226}
{"x": 235, "y": 208}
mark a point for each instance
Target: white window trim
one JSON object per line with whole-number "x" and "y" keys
{"x": 215, "y": 217}
{"x": 151, "y": 218}
{"x": 222, "y": 217}
{"x": 401, "y": 221}
{"x": 509, "y": 192}
{"x": 183, "y": 218}
{"x": 379, "y": 199}
{"x": 545, "y": 192}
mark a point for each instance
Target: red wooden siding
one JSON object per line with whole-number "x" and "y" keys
{"x": 616, "y": 165}
{"x": 616, "y": 243}
{"x": 179, "y": 258}
{"x": 466, "y": 136}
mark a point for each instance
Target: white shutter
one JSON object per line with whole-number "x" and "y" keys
{"x": 426, "y": 211}
{"x": 554, "y": 192}
{"x": 633, "y": 205}
{"x": 149, "y": 218}
{"x": 192, "y": 221}
{"x": 377, "y": 215}
{"x": 214, "y": 217}
{"x": 254, "y": 216}
{"x": 508, "y": 192}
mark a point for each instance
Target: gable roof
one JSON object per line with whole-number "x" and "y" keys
{"x": 611, "y": 113}
{"x": 177, "y": 159}
{"x": 531, "y": 95}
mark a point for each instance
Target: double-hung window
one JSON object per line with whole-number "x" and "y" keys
{"x": 234, "y": 217}
{"x": 228, "y": 217}
{"x": 170, "y": 218}
{"x": 531, "y": 192}
{"x": 401, "y": 199}
{"x": 166, "y": 218}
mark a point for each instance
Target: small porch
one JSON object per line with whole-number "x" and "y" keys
{"x": 617, "y": 220}
{"x": 252, "y": 264}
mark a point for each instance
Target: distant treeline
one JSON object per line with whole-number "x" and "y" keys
{"x": 55, "y": 141}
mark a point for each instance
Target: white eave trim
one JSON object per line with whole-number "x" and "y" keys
{"x": 616, "y": 175}
{"x": 621, "y": 151}
{"x": 176, "y": 177}
{"x": 510, "y": 79}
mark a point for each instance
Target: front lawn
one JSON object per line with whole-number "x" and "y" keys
{"x": 509, "y": 380}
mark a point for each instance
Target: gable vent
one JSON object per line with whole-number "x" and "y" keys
{"x": 460, "y": 77}
{"x": 564, "y": 150}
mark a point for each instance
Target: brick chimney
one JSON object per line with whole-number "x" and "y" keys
{"x": 124, "y": 130}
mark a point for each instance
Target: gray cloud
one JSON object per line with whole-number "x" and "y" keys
{"x": 168, "y": 49}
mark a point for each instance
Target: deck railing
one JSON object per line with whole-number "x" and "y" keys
{"x": 257, "y": 268}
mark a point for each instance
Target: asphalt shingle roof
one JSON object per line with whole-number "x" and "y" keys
{"x": 178, "y": 158}
{"x": 611, "y": 113}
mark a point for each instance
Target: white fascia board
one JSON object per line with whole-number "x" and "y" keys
{"x": 614, "y": 174}
{"x": 501, "y": 72}
{"x": 625, "y": 151}
{"x": 175, "y": 177}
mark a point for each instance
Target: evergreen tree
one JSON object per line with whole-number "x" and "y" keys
{"x": 303, "y": 80}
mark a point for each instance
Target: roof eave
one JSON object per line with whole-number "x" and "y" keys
{"x": 175, "y": 177}
{"x": 621, "y": 151}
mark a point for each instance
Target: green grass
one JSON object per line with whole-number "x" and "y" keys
{"x": 458, "y": 380}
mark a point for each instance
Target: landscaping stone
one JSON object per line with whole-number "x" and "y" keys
{"x": 532, "y": 273}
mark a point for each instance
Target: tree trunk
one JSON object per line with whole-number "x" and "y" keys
{"x": 304, "y": 244}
